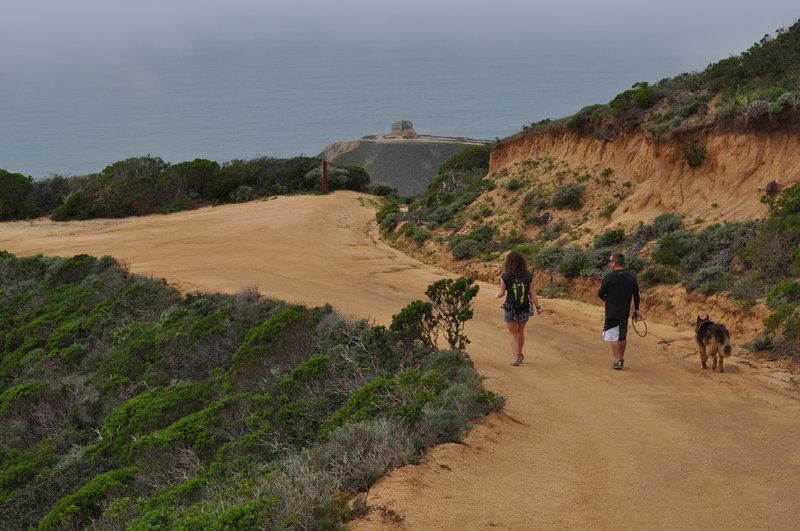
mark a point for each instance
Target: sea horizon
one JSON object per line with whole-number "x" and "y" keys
{"x": 225, "y": 104}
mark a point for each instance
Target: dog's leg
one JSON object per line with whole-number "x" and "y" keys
{"x": 715, "y": 354}
{"x": 721, "y": 357}
{"x": 702, "y": 349}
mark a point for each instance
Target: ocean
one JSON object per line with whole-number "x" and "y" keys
{"x": 241, "y": 102}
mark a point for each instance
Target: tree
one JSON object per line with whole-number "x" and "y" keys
{"x": 452, "y": 301}
{"x": 17, "y": 200}
{"x": 446, "y": 314}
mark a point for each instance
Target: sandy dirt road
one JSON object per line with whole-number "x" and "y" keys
{"x": 660, "y": 445}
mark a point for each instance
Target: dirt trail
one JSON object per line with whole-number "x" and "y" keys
{"x": 660, "y": 445}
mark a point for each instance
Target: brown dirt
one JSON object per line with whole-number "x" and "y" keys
{"x": 661, "y": 444}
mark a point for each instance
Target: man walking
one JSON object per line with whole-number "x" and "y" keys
{"x": 617, "y": 289}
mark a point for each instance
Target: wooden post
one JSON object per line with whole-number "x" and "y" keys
{"x": 324, "y": 176}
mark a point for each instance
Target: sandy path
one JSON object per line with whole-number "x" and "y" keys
{"x": 660, "y": 445}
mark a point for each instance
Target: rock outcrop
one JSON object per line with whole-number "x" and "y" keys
{"x": 402, "y": 159}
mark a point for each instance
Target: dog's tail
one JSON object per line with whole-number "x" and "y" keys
{"x": 723, "y": 338}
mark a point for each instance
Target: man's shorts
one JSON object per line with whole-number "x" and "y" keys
{"x": 615, "y": 330}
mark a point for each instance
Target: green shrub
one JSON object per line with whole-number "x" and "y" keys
{"x": 666, "y": 223}
{"x": 464, "y": 249}
{"x": 772, "y": 252}
{"x": 78, "y": 205}
{"x": 710, "y": 280}
{"x": 390, "y": 221}
{"x": 787, "y": 292}
{"x": 609, "y": 238}
{"x": 514, "y": 184}
{"x": 466, "y": 245}
{"x": 420, "y": 236}
{"x": 17, "y": 197}
{"x": 389, "y": 207}
{"x": 574, "y": 263}
{"x": 416, "y": 322}
{"x": 673, "y": 248}
{"x": 152, "y": 410}
{"x": 452, "y": 303}
{"x": 765, "y": 342}
{"x": 471, "y": 158}
{"x": 482, "y": 212}
{"x": 77, "y": 509}
{"x": 383, "y": 190}
{"x": 659, "y": 274}
{"x": 609, "y": 210}
{"x": 635, "y": 264}
{"x": 548, "y": 258}
{"x": 569, "y": 196}
{"x": 644, "y": 96}
{"x": 260, "y": 338}
{"x": 774, "y": 320}
{"x": 243, "y": 194}
{"x": 791, "y": 326}
{"x": 694, "y": 154}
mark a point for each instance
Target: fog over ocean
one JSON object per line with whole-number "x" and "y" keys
{"x": 226, "y": 101}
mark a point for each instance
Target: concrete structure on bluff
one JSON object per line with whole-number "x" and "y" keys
{"x": 403, "y": 128}
{"x": 401, "y": 159}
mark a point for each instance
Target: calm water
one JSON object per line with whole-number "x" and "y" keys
{"x": 225, "y": 104}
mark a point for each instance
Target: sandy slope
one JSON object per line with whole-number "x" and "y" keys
{"x": 660, "y": 445}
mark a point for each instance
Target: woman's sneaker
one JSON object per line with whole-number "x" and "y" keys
{"x": 618, "y": 365}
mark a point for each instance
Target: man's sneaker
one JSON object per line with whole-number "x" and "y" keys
{"x": 517, "y": 361}
{"x": 617, "y": 365}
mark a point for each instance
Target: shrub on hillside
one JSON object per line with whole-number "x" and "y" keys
{"x": 659, "y": 274}
{"x": 772, "y": 252}
{"x": 674, "y": 247}
{"x": 209, "y": 401}
{"x": 609, "y": 238}
{"x": 569, "y": 196}
{"x": 548, "y": 257}
{"x": 709, "y": 280}
{"x": 786, "y": 292}
{"x": 390, "y": 221}
{"x": 466, "y": 245}
{"x": 666, "y": 223}
{"x": 574, "y": 263}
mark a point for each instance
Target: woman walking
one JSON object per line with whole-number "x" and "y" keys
{"x": 516, "y": 284}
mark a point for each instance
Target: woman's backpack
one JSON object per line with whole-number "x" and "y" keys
{"x": 518, "y": 298}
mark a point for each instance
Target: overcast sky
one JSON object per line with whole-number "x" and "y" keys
{"x": 43, "y": 32}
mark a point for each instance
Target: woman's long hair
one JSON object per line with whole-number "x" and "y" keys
{"x": 515, "y": 265}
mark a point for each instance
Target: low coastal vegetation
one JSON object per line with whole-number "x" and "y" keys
{"x": 124, "y": 405}
{"x": 148, "y": 185}
{"x": 762, "y": 81}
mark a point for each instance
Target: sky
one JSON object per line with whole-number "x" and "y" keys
{"x": 86, "y": 82}
{"x": 43, "y": 33}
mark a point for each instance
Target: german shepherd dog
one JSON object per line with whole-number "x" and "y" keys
{"x": 714, "y": 340}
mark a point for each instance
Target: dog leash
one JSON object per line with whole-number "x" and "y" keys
{"x": 639, "y": 319}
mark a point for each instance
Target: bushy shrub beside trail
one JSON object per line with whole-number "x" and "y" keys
{"x": 124, "y": 405}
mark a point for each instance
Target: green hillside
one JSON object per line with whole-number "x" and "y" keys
{"x": 763, "y": 80}
{"x": 124, "y": 405}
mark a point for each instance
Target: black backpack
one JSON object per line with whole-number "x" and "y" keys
{"x": 518, "y": 299}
